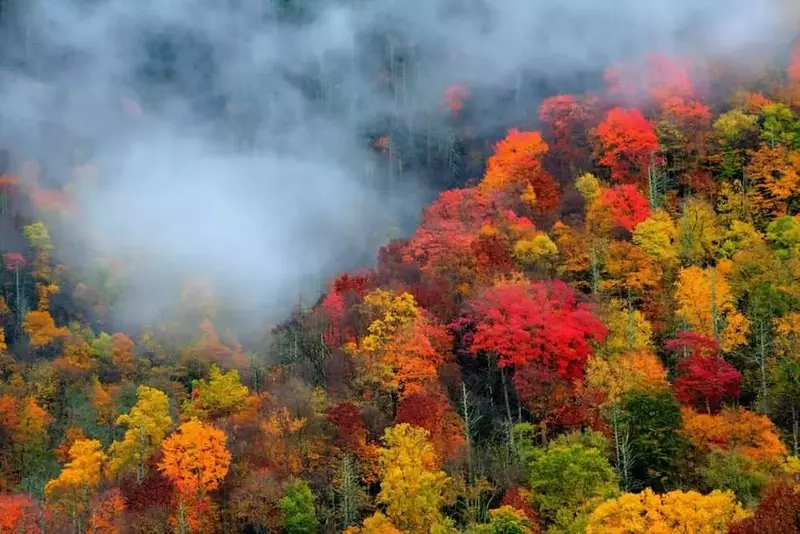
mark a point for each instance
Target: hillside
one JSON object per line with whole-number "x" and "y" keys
{"x": 594, "y": 326}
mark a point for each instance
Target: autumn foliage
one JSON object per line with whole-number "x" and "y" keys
{"x": 628, "y": 144}
{"x": 594, "y": 327}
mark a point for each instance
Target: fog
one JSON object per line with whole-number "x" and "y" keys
{"x": 249, "y": 163}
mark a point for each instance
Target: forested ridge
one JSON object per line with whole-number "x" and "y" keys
{"x": 595, "y": 327}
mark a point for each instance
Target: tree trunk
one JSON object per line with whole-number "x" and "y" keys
{"x": 508, "y": 408}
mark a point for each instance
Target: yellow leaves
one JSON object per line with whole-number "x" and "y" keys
{"x": 77, "y": 356}
{"x": 222, "y": 395}
{"x": 656, "y": 237}
{"x": 282, "y": 430}
{"x": 676, "y": 511}
{"x": 395, "y": 312}
{"x": 147, "y": 424}
{"x": 630, "y": 269}
{"x": 41, "y": 328}
{"x": 635, "y": 371}
{"x": 412, "y": 486}
{"x": 698, "y": 232}
{"x": 707, "y": 305}
{"x": 628, "y": 329}
{"x": 81, "y": 474}
{"x": 536, "y": 249}
{"x": 589, "y": 187}
{"x": 735, "y": 429}
{"x": 195, "y": 457}
{"x": 3, "y": 346}
{"x": 375, "y": 524}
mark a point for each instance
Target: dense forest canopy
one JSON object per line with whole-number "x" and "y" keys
{"x": 375, "y": 266}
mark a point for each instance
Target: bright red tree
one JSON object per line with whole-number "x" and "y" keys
{"x": 627, "y": 205}
{"x": 524, "y": 323}
{"x": 627, "y": 145}
{"x": 704, "y": 379}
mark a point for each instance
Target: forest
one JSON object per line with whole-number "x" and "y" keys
{"x": 593, "y": 328}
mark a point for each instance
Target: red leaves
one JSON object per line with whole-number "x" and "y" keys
{"x": 346, "y": 417}
{"x": 13, "y": 260}
{"x": 433, "y": 412}
{"x": 705, "y": 379}
{"x": 627, "y": 205}
{"x": 535, "y": 323}
{"x": 18, "y": 513}
{"x": 776, "y": 513}
{"x": 565, "y": 119}
{"x": 628, "y": 145}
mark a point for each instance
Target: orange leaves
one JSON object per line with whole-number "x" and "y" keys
{"x": 122, "y": 353}
{"x": 195, "y": 457}
{"x": 627, "y": 145}
{"x": 106, "y": 513}
{"x": 734, "y": 429}
{"x": 775, "y": 173}
{"x": 516, "y": 164}
{"x": 41, "y": 328}
{"x": 18, "y": 513}
{"x": 23, "y": 419}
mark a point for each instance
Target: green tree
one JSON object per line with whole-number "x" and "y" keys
{"x": 568, "y": 480}
{"x": 653, "y": 421}
{"x": 297, "y": 507}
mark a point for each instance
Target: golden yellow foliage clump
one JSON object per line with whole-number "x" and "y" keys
{"x": 676, "y": 511}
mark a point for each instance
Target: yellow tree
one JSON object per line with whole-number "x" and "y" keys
{"x": 78, "y": 480}
{"x": 676, "y": 511}
{"x": 634, "y": 371}
{"x": 656, "y": 237}
{"x": 412, "y": 484}
{"x": 628, "y": 329}
{"x": 222, "y": 395}
{"x": 147, "y": 422}
{"x": 706, "y": 304}
{"x": 196, "y": 460}
{"x": 698, "y": 233}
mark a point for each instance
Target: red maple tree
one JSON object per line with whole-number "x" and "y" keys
{"x": 627, "y": 145}
{"x": 704, "y": 379}
{"x": 627, "y": 205}
{"x": 525, "y": 323}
